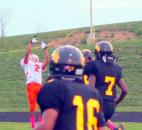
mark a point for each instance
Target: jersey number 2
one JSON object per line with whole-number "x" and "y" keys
{"x": 91, "y": 106}
{"x": 37, "y": 67}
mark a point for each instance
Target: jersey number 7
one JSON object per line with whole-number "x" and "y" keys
{"x": 111, "y": 82}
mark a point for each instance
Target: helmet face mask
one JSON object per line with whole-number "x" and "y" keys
{"x": 66, "y": 60}
{"x": 33, "y": 58}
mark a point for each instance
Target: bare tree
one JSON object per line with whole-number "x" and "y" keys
{"x": 4, "y": 19}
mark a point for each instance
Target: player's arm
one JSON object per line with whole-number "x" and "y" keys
{"x": 50, "y": 105}
{"x": 124, "y": 90}
{"x": 89, "y": 71}
{"x": 28, "y": 51}
{"x": 46, "y": 59}
{"x": 49, "y": 118}
{"x": 92, "y": 80}
{"x": 44, "y": 46}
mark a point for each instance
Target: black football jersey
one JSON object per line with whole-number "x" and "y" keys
{"x": 107, "y": 76}
{"x": 79, "y": 106}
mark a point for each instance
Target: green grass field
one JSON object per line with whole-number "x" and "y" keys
{"x": 12, "y": 80}
{"x": 26, "y": 126}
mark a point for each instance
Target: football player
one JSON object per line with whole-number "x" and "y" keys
{"x": 88, "y": 57}
{"x": 104, "y": 74}
{"x": 65, "y": 102}
{"x": 33, "y": 72}
{"x": 87, "y": 54}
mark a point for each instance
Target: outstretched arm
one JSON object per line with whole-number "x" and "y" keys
{"x": 46, "y": 59}
{"x": 44, "y": 46}
{"x": 28, "y": 51}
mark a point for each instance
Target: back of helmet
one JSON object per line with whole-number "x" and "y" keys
{"x": 66, "y": 61}
{"x": 87, "y": 54}
{"x": 104, "y": 51}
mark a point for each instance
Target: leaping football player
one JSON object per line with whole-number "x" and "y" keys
{"x": 33, "y": 69}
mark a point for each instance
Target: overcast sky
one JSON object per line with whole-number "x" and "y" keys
{"x": 32, "y": 16}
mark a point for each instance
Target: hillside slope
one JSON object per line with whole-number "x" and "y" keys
{"x": 12, "y": 80}
{"x": 111, "y": 32}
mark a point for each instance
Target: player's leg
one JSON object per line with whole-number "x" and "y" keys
{"x": 32, "y": 103}
{"x": 38, "y": 87}
{"x": 109, "y": 109}
{"x": 111, "y": 125}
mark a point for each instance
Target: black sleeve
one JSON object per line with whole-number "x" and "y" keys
{"x": 49, "y": 97}
{"x": 90, "y": 68}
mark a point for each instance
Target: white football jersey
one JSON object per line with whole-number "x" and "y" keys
{"x": 33, "y": 71}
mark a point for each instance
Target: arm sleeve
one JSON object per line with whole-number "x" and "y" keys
{"x": 49, "y": 97}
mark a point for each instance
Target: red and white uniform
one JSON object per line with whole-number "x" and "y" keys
{"x": 33, "y": 71}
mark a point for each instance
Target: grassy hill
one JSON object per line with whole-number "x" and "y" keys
{"x": 12, "y": 49}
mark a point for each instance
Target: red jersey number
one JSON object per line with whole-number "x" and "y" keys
{"x": 37, "y": 67}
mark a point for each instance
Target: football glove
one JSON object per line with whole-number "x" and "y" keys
{"x": 34, "y": 40}
{"x": 43, "y": 45}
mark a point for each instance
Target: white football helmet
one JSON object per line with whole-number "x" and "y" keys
{"x": 33, "y": 58}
